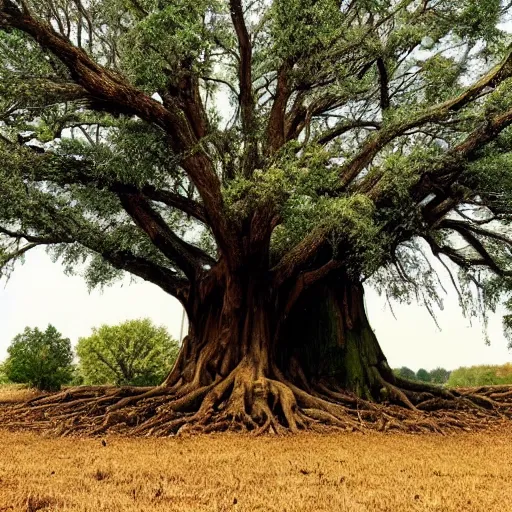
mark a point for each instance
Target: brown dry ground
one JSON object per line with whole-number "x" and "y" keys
{"x": 349, "y": 472}
{"x": 337, "y": 472}
{"x": 12, "y": 393}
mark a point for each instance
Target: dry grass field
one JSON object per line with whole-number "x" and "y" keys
{"x": 11, "y": 393}
{"x": 469, "y": 472}
{"x": 338, "y": 472}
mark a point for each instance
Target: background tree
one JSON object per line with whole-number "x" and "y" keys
{"x": 135, "y": 353}
{"x": 423, "y": 375}
{"x": 405, "y": 373}
{"x": 260, "y": 161}
{"x": 439, "y": 375}
{"x": 484, "y": 375}
{"x": 3, "y": 376}
{"x": 42, "y": 359}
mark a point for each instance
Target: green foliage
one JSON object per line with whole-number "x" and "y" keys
{"x": 439, "y": 375}
{"x": 41, "y": 359}
{"x": 135, "y": 352}
{"x": 484, "y": 375}
{"x": 441, "y": 75}
{"x": 154, "y": 50}
{"x": 324, "y": 61}
{"x": 405, "y": 373}
{"x": 423, "y": 375}
{"x": 479, "y": 19}
{"x": 3, "y": 374}
{"x": 303, "y": 26}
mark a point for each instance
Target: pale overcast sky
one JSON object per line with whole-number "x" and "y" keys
{"x": 39, "y": 293}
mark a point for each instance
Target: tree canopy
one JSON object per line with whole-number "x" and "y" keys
{"x": 135, "y": 353}
{"x": 423, "y": 375}
{"x": 141, "y": 136}
{"x": 405, "y": 372}
{"x": 42, "y": 359}
{"x": 439, "y": 375}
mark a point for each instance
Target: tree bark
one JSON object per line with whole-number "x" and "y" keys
{"x": 328, "y": 339}
{"x": 265, "y": 371}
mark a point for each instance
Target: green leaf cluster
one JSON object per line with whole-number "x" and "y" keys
{"x": 484, "y": 375}
{"x": 135, "y": 353}
{"x": 42, "y": 359}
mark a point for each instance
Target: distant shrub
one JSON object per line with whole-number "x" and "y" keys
{"x": 41, "y": 359}
{"x": 484, "y": 375}
{"x": 439, "y": 376}
{"x": 405, "y": 373}
{"x": 423, "y": 375}
{"x": 3, "y": 375}
{"x": 132, "y": 353}
{"x": 436, "y": 376}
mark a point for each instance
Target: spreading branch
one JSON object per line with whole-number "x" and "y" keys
{"x": 188, "y": 257}
{"x": 114, "y": 94}
{"x": 165, "y": 278}
{"x": 246, "y": 94}
{"x": 394, "y": 129}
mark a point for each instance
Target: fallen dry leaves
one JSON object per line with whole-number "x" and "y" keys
{"x": 470, "y": 472}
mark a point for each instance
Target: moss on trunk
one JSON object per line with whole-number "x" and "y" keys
{"x": 329, "y": 336}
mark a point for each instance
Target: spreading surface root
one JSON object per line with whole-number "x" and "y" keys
{"x": 239, "y": 402}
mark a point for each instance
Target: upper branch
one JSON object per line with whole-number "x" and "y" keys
{"x": 395, "y": 129}
{"x": 186, "y": 205}
{"x": 344, "y": 127}
{"x": 115, "y": 94}
{"x": 188, "y": 257}
{"x": 123, "y": 259}
{"x": 476, "y": 229}
{"x": 442, "y": 173}
{"x": 484, "y": 258}
{"x": 99, "y": 82}
{"x": 276, "y": 135}
{"x": 163, "y": 277}
{"x": 246, "y": 94}
{"x": 384, "y": 84}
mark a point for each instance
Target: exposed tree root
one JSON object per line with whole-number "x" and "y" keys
{"x": 244, "y": 401}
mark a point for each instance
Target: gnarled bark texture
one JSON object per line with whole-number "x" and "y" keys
{"x": 328, "y": 338}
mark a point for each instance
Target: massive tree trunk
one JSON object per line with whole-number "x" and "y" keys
{"x": 247, "y": 363}
{"x": 328, "y": 339}
{"x": 255, "y": 360}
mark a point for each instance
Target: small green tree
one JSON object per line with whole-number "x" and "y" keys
{"x": 439, "y": 376}
{"x": 423, "y": 375}
{"x": 133, "y": 353}
{"x": 41, "y": 359}
{"x": 3, "y": 376}
{"x": 405, "y": 373}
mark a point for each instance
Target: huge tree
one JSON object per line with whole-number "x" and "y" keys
{"x": 260, "y": 161}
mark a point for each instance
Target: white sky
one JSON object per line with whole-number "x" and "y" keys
{"x": 39, "y": 293}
